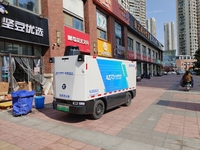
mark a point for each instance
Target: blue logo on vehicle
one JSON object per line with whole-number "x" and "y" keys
{"x": 64, "y": 86}
{"x": 64, "y": 73}
{"x": 113, "y": 74}
{"x": 64, "y": 96}
{"x": 131, "y": 65}
{"x": 94, "y": 91}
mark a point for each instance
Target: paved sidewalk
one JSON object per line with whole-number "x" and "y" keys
{"x": 161, "y": 117}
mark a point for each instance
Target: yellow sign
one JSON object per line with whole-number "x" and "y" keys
{"x": 104, "y": 48}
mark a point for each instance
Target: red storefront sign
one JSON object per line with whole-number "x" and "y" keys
{"x": 144, "y": 58}
{"x": 77, "y": 38}
{"x": 149, "y": 59}
{"x": 130, "y": 55}
{"x": 115, "y": 8}
{"x": 138, "y": 56}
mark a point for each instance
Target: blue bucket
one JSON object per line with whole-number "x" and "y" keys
{"x": 39, "y": 102}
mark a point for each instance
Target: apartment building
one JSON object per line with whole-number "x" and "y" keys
{"x": 187, "y": 35}
{"x": 151, "y": 26}
{"x": 169, "y": 36}
{"x": 138, "y": 9}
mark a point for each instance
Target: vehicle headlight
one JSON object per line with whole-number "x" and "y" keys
{"x": 75, "y": 103}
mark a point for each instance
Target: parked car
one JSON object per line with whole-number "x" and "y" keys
{"x": 164, "y": 73}
{"x": 193, "y": 73}
{"x": 173, "y": 72}
{"x": 179, "y": 72}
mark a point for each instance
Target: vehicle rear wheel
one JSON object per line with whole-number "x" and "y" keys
{"x": 128, "y": 99}
{"x": 99, "y": 109}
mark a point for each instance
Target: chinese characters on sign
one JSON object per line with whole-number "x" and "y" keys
{"x": 78, "y": 40}
{"x": 141, "y": 29}
{"x": 21, "y": 27}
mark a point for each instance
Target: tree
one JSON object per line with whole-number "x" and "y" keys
{"x": 197, "y": 62}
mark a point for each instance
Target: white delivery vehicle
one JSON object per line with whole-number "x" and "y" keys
{"x": 92, "y": 85}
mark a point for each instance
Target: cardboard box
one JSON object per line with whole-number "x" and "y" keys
{"x": 4, "y": 86}
{"x": 25, "y": 86}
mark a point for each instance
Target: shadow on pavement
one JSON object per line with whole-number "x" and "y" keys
{"x": 56, "y": 115}
{"x": 180, "y": 105}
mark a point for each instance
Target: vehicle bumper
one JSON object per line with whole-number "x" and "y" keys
{"x": 66, "y": 106}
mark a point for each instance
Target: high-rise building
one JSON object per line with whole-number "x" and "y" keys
{"x": 198, "y": 21}
{"x": 138, "y": 9}
{"x": 169, "y": 36}
{"x": 124, "y": 4}
{"x": 187, "y": 37}
{"x": 151, "y": 26}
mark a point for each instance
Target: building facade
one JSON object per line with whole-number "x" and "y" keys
{"x": 151, "y": 26}
{"x": 138, "y": 9}
{"x": 198, "y": 22}
{"x": 187, "y": 37}
{"x": 95, "y": 27}
{"x": 169, "y": 36}
{"x": 184, "y": 62}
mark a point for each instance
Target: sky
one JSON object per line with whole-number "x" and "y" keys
{"x": 164, "y": 11}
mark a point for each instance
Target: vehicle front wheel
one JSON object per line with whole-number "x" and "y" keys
{"x": 128, "y": 99}
{"x": 99, "y": 109}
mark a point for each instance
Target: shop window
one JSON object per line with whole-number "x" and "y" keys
{"x": 21, "y": 49}
{"x": 17, "y": 49}
{"x": 1, "y": 47}
{"x": 101, "y": 34}
{"x": 153, "y": 54}
{"x": 101, "y": 25}
{"x": 118, "y": 41}
{"x": 118, "y": 33}
{"x": 78, "y": 24}
{"x": 73, "y": 22}
{"x": 26, "y": 50}
{"x": 101, "y": 21}
{"x": 144, "y": 50}
{"x": 31, "y": 5}
{"x": 130, "y": 44}
{"x": 68, "y": 20}
{"x": 149, "y": 52}
{"x": 9, "y": 48}
{"x": 138, "y": 47}
{"x": 37, "y": 51}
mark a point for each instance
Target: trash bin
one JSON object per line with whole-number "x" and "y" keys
{"x": 39, "y": 102}
{"x": 22, "y": 101}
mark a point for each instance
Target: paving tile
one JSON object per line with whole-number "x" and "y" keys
{"x": 187, "y": 148}
{"x": 131, "y": 145}
{"x": 33, "y": 146}
{"x": 172, "y": 146}
{"x": 44, "y": 142}
{"x": 4, "y": 144}
{"x": 57, "y": 146}
{"x": 191, "y": 145}
{"x": 77, "y": 145}
{"x": 90, "y": 147}
{"x": 11, "y": 147}
{"x": 23, "y": 143}
{"x": 160, "y": 148}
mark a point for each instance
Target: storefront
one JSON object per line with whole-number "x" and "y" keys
{"x": 75, "y": 38}
{"x": 23, "y": 39}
